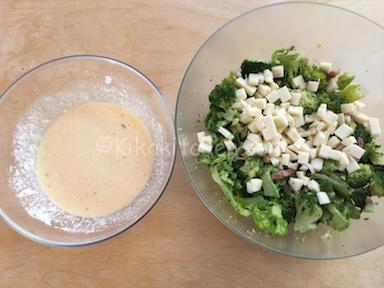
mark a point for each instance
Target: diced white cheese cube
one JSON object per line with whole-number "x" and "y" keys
{"x": 229, "y": 145}
{"x": 274, "y": 161}
{"x": 245, "y": 118}
{"x": 296, "y": 96}
{"x": 310, "y": 168}
{"x": 349, "y": 141}
{"x": 305, "y": 134}
{"x": 278, "y": 71}
{"x": 269, "y": 107}
{"x": 255, "y": 138}
{"x": 260, "y": 125}
{"x": 252, "y": 111}
{"x": 321, "y": 110}
{"x": 343, "y": 131}
{"x": 249, "y": 148}
{"x": 200, "y": 136}
{"x": 204, "y": 148}
{"x": 340, "y": 118}
{"x": 348, "y": 118}
{"x": 348, "y": 108}
{"x": 331, "y": 128}
{"x": 296, "y": 183}
{"x": 300, "y": 174}
{"x": 254, "y": 185}
{"x": 323, "y": 198}
{"x": 334, "y": 155}
{"x": 332, "y": 85}
{"x": 276, "y": 152}
{"x": 259, "y": 149}
{"x": 260, "y": 103}
{"x": 274, "y": 86}
{"x": 309, "y": 118}
{"x": 253, "y": 126}
{"x": 344, "y": 160}
{"x": 272, "y": 97}
{"x": 295, "y": 110}
{"x": 324, "y": 151}
{"x": 226, "y": 133}
{"x": 333, "y": 142}
{"x": 253, "y": 79}
{"x": 268, "y": 147}
{"x": 313, "y": 153}
{"x": 258, "y": 95}
{"x": 374, "y": 127}
{"x": 260, "y": 75}
{"x": 251, "y": 101}
{"x": 238, "y": 106}
{"x": 263, "y": 89}
{"x": 293, "y": 134}
{"x": 284, "y": 94}
{"x": 285, "y": 158}
{"x": 320, "y": 139}
{"x": 268, "y": 76}
{"x": 359, "y": 117}
{"x": 353, "y": 166}
{"x": 241, "y": 94}
{"x": 291, "y": 120}
{"x": 242, "y": 83}
{"x": 299, "y": 143}
{"x": 329, "y": 117}
{"x": 317, "y": 164}
{"x": 293, "y": 165}
{"x": 299, "y": 82}
{"x": 355, "y": 151}
{"x": 360, "y": 105}
{"x": 313, "y": 186}
{"x": 313, "y": 86}
{"x": 325, "y": 66}
{"x": 303, "y": 157}
{"x": 283, "y": 145}
{"x": 280, "y": 119}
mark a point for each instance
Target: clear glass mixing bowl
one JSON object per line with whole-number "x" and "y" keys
{"x": 321, "y": 32}
{"x": 33, "y": 102}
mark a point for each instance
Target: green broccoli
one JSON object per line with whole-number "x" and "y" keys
{"x": 360, "y": 178}
{"x": 359, "y": 197}
{"x": 204, "y": 158}
{"x": 231, "y": 79}
{"x": 344, "y": 80}
{"x": 362, "y": 132}
{"x": 329, "y": 166}
{"x": 290, "y": 61}
{"x": 308, "y": 212}
{"x": 313, "y": 73}
{"x": 372, "y": 154}
{"x": 287, "y": 202}
{"x": 332, "y": 100}
{"x": 269, "y": 187}
{"x": 309, "y": 101}
{"x": 251, "y": 167}
{"x": 376, "y": 185}
{"x": 249, "y": 66}
{"x": 337, "y": 221}
{"x": 217, "y": 118}
{"x": 351, "y": 93}
{"x": 240, "y": 132}
{"x": 223, "y": 96}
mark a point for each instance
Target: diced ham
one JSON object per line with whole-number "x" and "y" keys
{"x": 282, "y": 174}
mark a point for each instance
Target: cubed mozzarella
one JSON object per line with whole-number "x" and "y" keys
{"x": 325, "y": 66}
{"x": 353, "y": 166}
{"x": 274, "y": 86}
{"x": 245, "y": 118}
{"x": 200, "y": 136}
{"x": 343, "y": 131}
{"x": 330, "y": 117}
{"x": 323, "y": 198}
{"x": 251, "y": 101}
{"x": 313, "y": 86}
{"x": 331, "y": 128}
{"x": 204, "y": 148}
{"x": 260, "y": 103}
{"x": 317, "y": 164}
{"x": 276, "y": 152}
{"x": 344, "y": 159}
{"x": 293, "y": 134}
{"x": 274, "y": 161}
{"x": 283, "y": 145}
{"x": 321, "y": 110}
{"x": 269, "y": 107}
{"x": 238, "y": 106}
{"x": 249, "y": 148}
{"x": 296, "y": 96}
{"x": 295, "y": 110}
{"x": 270, "y": 131}
{"x": 348, "y": 108}
{"x": 349, "y": 141}
{"x": 299, "y": 82}
{"x": 226, "y": 133}
{"x": 291, "y": 120}
{"x": 253, "y": 79}
{"x": 360, "y": 105}
{"x": 242, "y": 83}
{"x": 374, "y": 127}
{"x": 293, "y": 165}
{"x": 260, "y": 75}
{"x": 268, "y": 76}
{"x": 341, "y": 118}
{"x": 332, "y": 85}
{"x": 259, "y": 149}
{"x": 313, "y": 153}
{"x": 285, "y": 158}
{"x": 241, "y": 94}
{"x": 359, "y": 117}
{"x": 313, "y": 186}
{"x": 252, "y": 111}
{"x": 272, "y": 97}
{"x": 309, "y": 118}
{"x": 254, "y": 185}
{"x": 299, "y": 143}
{"x": 300, "y": 174}
{"x": 255, "y": 138}
{"x": 320, "y": 139}
{"x": 335, "y": 155}
{"x": 263, "y": 89}
{"x": 259, "y": 123}
{"x": 253, "y": 126}
{"x": 296, "y": 183}
{"x": 333, "y": 142}
{"x": 284, "y": 94}
{"x": 229, "y": 145}
{"x": 355, "y": 151}
{"x": 278, "y": 71}
{"x": 303, "y": 157}
{"x": 324, "y": 151}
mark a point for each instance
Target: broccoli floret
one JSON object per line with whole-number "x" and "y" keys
{"x": 359, "y": 197}
{"x": 363, "y": 133}
{"x": 337, "y": 221}
{"x": 309, "y": 101}
{"x": 376, "y": 185}
{"x": 313, "y": 73}
{"x": 360, "y": 178}
{"x": 332, "y": 100}
{"x": 251, "y": 167}
{"x": 308, "y": 212}
{"x": 329, "y": 166}
{"x": 290, "y": 61}
{"x": 231, "y": 79}
{"x": 240, "y": 132}
{"x": 217, "y": 118}
{"x": 268, "y": 217}
{"x": 223, "y": 96}
{"x": 344, "y": 80}
{"x": 287, "y": 202}
{"x": 204, "y": 158}
{"x": 351, "y": 93}
{"x": 249, "y": 66}
{"x": 372, "y": 154}
{"x": 269, "y": 187}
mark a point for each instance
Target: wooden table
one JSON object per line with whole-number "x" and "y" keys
{"x": 179, "y": 244}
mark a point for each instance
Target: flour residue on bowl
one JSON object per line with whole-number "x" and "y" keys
{"x": 28, "y": 135}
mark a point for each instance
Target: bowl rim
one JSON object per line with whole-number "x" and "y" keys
{"x": 199, "y": 194}
{"x": 165, "y": 106}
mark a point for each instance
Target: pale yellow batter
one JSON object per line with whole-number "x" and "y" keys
{"x": 95, "y": 159}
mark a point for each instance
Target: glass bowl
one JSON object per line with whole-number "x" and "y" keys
{"x": 321, "y": 32}
{"x": 30, "y": 105}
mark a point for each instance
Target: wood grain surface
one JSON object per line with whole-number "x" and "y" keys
{"x": 179, "y": 243}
